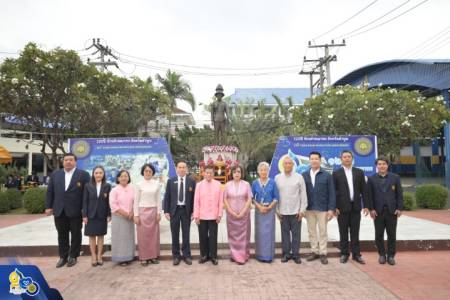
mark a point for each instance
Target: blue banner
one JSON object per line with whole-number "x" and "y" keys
{"x": 364, "y": 150}
{"x": 24, "y": 282}
{"x": 127, "y": 153}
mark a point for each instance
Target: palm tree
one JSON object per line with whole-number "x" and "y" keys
{"x": 175, "y": 88}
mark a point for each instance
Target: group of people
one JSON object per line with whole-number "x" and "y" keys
{"x": 74, "y": 198}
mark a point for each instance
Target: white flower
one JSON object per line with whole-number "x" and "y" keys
{"x": 380, "y": 108}
{"x": 340, "y": 92}
{"x": 359, "y": 123}
{"x": 14, "y": 81}
{"x": 366, "y": 102}
{"x": 443, "y": 122}
{"x": 380, "y": 84}
{"x": 406, "y": 123}
{"x": 66, "y": 90}
{"x": 81, "y": 85}
{"x": 432, "y": 109}
{"x": 411, "y": 116}
{"x": 330, "y": 116}
{"x": 105, "y": 111}
{"x": 359, "y": 109}
{"x": 37, "y": 59}
{"x": 318, "y": 122}
{"x": 49, "y": 66}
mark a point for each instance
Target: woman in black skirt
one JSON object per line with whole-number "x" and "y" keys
{"x": 96, "y": 212}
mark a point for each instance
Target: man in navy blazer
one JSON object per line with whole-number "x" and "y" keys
{"x": 178, "y": 207}
{"x": 386, "y": 205}
{"x": 64, "y": 201}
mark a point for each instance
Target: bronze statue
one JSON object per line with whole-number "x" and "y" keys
{"x": 219, "y": 116}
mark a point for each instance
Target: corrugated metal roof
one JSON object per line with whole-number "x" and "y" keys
{"x": 426, "y": 75}
{"x": 257, "y": 94}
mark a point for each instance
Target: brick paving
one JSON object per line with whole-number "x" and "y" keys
{"x": 228, "y": 280}
{"x": 10, "y": 220}
{"x": 440, "y": 216}
{"x": 417, "y": 275}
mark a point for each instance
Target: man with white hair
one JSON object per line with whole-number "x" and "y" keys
{"x": 291, "y": 209}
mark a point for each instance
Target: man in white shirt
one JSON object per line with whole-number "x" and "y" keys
{"x": 291, "y": 209}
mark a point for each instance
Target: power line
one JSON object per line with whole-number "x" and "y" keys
{"x": 389, "y": 20}
{"x": 435, "y": 37}
{"x": 374, "y": 20}
{"x": 212, "y": 74}
{"x": 346, "y": 20}
{"x": 205, "y": 67}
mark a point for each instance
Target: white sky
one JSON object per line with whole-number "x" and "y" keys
{"x": 229, "y": 33}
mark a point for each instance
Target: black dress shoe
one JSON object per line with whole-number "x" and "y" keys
{"x": 72, "y": 261}
{"x": 214, "y": 261}
{"x": 153, "y": 261}
{"x": 323, "y": 259}
{"x": 176, "y": 261}
{"x": 188, "y": 260}
{"x": 391, "y": 260}
{"x": 61, "y": 262}
{"x": 285, "y": 259}
{"x": 297, "y": 260}
{"x": 382, "y": 259}
{"x": 359, "y": 259}
{"x": 312, "y": 256}
{"x": 203, "y": 260}
{"x": 344, "y": 259}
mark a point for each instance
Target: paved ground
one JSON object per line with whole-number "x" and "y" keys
{"x": 417, "y": 275}
{"x": 10, "y": 220}
{"x": 42, "y": 231}
{"x": 440, "y": 216}
{"x": 226, "y": 281}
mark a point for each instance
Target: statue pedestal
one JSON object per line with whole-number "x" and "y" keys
{"x": 222, "y": 158}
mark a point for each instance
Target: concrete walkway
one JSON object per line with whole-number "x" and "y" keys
{"x": 42, "y": 232}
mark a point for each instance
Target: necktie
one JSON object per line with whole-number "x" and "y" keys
{"x": 181, "y": 192}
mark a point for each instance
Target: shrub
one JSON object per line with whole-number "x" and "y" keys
{"x": 431, "y": 196}
{"x": 14, "y": 197}
{"x": 409, "y": 201}
{"x": 34, "y": 200}
{"x": 4, "y": 203}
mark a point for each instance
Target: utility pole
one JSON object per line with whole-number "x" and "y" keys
{"x": 320, "y": 63}
{"x": 104, "y": 51}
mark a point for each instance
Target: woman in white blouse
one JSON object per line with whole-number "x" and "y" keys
{"x": 147, "y": 207}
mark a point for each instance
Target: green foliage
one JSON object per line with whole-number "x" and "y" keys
{"x": 34, "y": 200}
{"x": 3, "y": 174}
{"x": 5, "y": 204}
{"x": 15, "y": 198}
{"x": 396, "y": 117}
{"x": 409, "y": 201}
{"x": 432, "y": 196}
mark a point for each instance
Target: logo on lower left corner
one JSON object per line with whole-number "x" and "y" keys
{"x": 20, "y": 284}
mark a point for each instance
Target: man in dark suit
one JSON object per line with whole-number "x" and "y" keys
{"x": 178, "y": 208}
{"x": 351, "y": 189}
{"x": 64, "y": 201}
{"x": 386, "y": 205}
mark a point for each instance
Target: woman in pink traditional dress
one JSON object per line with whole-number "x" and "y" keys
{"x": 238, "y": 200}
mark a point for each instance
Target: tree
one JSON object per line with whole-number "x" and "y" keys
{"x": 176, "y": 89}
{"x": 396, "y": 117}
{"x": 54, "y": 94}
{"x": 256, "y": 134}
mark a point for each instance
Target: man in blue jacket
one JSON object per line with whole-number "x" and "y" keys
{"x": 321, "y": 206}
{"x": 386, "y": 205}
